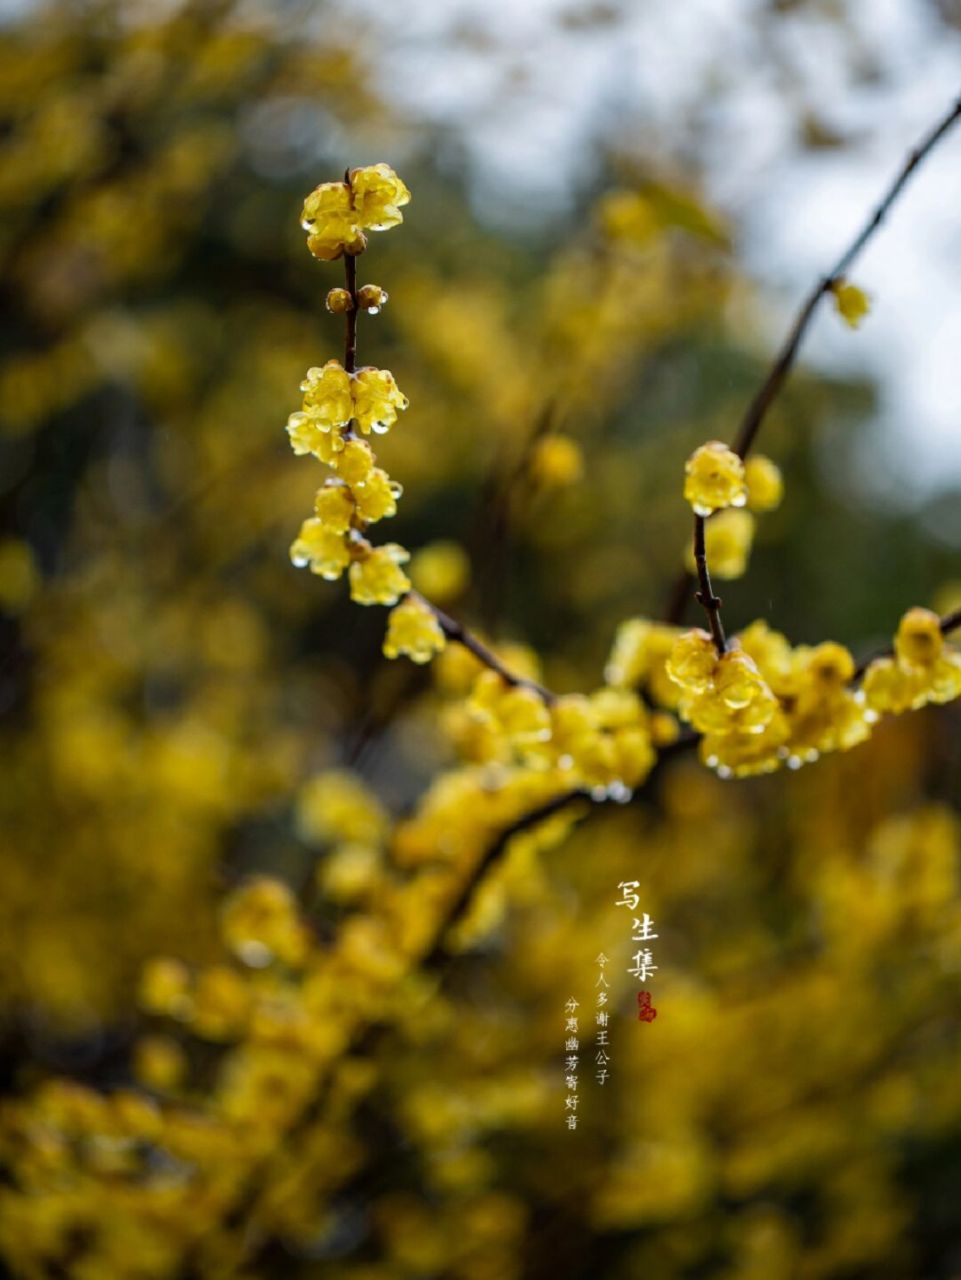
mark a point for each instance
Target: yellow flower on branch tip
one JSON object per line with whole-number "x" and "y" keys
{"x": 413, "y": 629}
{"x": 376, "y": 495}
{"x": 714, "y": 478}
{"x": 851, "y": 302}
{"x": 378, "y": 195}
{"x": 336, "y": 214}
{"x": 377, "y": 578}
{"x": 329, "y": 219}
{"x": 323, "y": 550}
{"x": 919, "y": 641}
{"x": 377, "y": 399}
{"x": 765, "y": 485}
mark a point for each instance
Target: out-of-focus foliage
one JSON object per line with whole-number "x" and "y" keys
{"x": 222, "y": 857}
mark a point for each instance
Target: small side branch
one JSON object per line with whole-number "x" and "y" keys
{"x": 784, "y": 360}
{"x": 456, "y": 631}
{"x": 350, "y": 340}
{"x": 705, "y": 595}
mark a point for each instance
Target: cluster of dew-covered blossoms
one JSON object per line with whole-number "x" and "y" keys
{"x": 756, "y": 701}
{"x": 753, "y": 701}
{"x": 605, "y": 741}
{"x": 342, "y": 406}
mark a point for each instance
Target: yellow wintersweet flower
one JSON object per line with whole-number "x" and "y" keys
{"x": 378, "y": 196}
{"x": 331, "y": 222}
{"x": 889, "y": 689}
{"x": 334, "y": 507}
{"x": 728, "y": 538}
{"x": 924, "y": 668}
{"x": 692, "y": 661}
{"x": 851, "y": 302}
{"x": 324, "y": 550}
{"x": 260, "y": 923}
{"x": 327, "y": 395}
{"x": 765, "y": 484}
{"x": 377, "y": 399}
{"x": 919, "y": 642}
{"x": 377, "y": 577}
{"x": 354, "y": 462}
{"x": 714, "y": 478}
{"x": 412, "y": 628}
{"x": 376, "y": 495}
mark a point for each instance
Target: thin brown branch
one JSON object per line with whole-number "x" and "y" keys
{"x": 950, "y": 622}
{"x": 705, "y": 595}
{"x": 456, "y": 631}
{"x": 350, "y": 316}
{"x": 784, "y": 361}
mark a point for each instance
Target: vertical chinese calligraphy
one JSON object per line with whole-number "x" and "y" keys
{"x": 642, "y": 931}
{"x": 571, "y": 1046}
{"x": 601, "y": 1057}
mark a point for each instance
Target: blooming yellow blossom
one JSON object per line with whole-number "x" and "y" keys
{"x": 765, "y": 484}
{"x": 376, "y": 495}
{"x": 714, "y": 478}
{"x": 378, "y": 196}
{"x": 328, "y": 401}
{"x": 377, "y": 399}
{"x": 331, "y": 222}
{"x": 326, "y": 551}
{"x": 354, "y": 462}
{"x": 412, "y": 628}
{"x": 377, "y": 578}
{"x": 334, "y": 507}
{"x": 924, "y": 667}
{"x": 692, "y": 661}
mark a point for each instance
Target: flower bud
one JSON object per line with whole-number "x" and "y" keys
{"x": 371, "y": 298}
{"x": 339, "y": 301}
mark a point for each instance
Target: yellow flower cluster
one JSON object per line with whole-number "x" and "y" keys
{"x": 336, "y": 215}
{"x": 339, "y": 403}
{"x": 923, "y": 669}
{"x": 601, "y": 741}
{"x": 763, "y": 704}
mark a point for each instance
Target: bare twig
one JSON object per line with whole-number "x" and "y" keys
{"x": 784, "y": 361}
{"x": 455, "y": 630}
{"x": 705, "y": 595}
